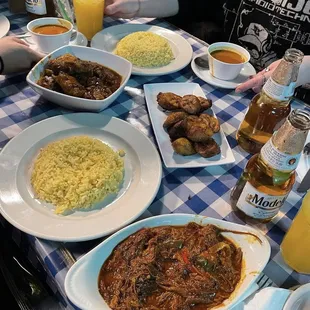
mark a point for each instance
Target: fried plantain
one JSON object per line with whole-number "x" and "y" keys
{"x": 173, "y": 118}
{"x": 190, "y": 104}
{"x": 183, "y": 147}
{"x": 176, "y": 131}
{"x": 205, "y": 104}
{"x": 211, "y": 121}
{"x": 196, "y": 129}
{"x": 169, "y": 101}
{"x": 207, "y": 149}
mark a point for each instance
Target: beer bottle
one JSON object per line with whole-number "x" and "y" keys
{"x": 40, "y": 8}
{"x": 269, "y": 109}
{"x": 17, "y": 6}
{"x": 270, "y": 175}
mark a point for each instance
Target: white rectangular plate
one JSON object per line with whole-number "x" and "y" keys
{"x": 158, "y": 116}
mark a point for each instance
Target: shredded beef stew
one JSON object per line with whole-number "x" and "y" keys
{"x": 190, "y": 267}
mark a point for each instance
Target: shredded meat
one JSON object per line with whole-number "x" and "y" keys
{"x": 190, "y": 267}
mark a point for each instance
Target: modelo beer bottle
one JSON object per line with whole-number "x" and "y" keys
{"x": 270, "y": 175}
{"x": 269, "y": 109}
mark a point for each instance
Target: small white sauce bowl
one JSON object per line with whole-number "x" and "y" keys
{"x": 223, "y": 70}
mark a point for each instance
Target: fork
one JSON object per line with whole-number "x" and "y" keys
{"x": 307, "y": 149}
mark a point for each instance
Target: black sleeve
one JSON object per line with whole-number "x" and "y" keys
{"x": 1, "y": 65}
{"x": 199, "y": 10}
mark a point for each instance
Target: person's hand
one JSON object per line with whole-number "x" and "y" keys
{"x": 122, "y": 8}
{"x": 257, "y": 81}
{"x": 17, "y": 55}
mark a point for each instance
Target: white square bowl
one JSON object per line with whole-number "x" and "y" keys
{"x": 114, "y": 62}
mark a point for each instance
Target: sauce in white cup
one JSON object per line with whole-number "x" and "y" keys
{"x": 47, "y": 43}
{"x": 224, "y": 70}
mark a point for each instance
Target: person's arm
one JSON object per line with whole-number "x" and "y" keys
{"x": 16, "y": 56}
{"x": 189, "y": 10}
{"x": 141, "y": 8}
{"x": 304, "y": 72}
{"x": 158, "y": 8}
{"x": 257, "y": 81}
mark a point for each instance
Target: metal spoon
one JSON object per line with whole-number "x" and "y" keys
{"x": 202, "y": 62}
{"x": 73, "y": 35}
{"x": 22, "y": 36}
{"x": 28, "y": 35}
{"x": 307, "y": 149}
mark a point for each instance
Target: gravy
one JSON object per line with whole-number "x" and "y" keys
{"x": 50, "y": 29}
{"x": 228, "y": 56}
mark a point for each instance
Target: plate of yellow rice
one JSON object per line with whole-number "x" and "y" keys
{"x": 152, "y": 50}
{"x": 77, "y": 177}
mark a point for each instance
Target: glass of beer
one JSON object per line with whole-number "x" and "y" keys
{"x": 89, "y": 16}
{"x": 295, "y": 247}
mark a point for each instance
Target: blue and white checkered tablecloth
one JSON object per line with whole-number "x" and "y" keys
{"x": 196, "y": 191}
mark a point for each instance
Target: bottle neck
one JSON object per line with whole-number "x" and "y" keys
{"x": 283, "y": 150}
{"x": 287, "y": 70}
{"x": 286, "y": 73}
{"x": 289, "y": 139}
{"x": 281, "y": 85}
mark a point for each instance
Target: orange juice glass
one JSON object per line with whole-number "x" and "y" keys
{"x": 89, "y": 16}
{"x": 295, "y": 247}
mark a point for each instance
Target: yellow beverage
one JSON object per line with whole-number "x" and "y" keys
{"x": 89, "y": 16}
{"x": 296, "y": 244}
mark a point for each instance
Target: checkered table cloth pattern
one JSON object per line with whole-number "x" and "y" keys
{"x": 195, "y": 191}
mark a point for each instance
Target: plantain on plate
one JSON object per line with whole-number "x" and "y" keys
{"x": 189, "y": 129}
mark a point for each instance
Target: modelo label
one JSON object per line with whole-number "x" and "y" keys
{"x": 259, "y": 205}
{"x": 36, "y": 7}
{"x": 278, "y": 91}
{"x": 279, "y": 160}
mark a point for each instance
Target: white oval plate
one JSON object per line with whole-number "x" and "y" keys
{"x": 81, "y": 283}
{"x": 108, "y": 38}
{"x": 4, "y": 26}
{"x": 206, "y": 76}
{"x": 142, "y": 178}
{"x": 158, "y": 116}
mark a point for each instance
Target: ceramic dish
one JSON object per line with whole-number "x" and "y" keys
{"x": 116, "y": 63}
{"x": 77, "y": 39}
{"x": 82, "y": 279}
{"x": 158, "y": 116}
{"x": 299, "y": 299}
{"x": 108, "y": 38}
{"x": 206, "y": 76}
{"x": 4, "y": 26}
{"x": 142, "y": 178}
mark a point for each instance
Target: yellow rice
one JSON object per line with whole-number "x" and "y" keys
{"x": 145, "y": 49}
{"x": 76, "y": 172}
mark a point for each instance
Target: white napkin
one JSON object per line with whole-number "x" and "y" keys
{"x": 265, "y": 299}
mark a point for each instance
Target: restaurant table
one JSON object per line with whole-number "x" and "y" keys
{"x": 203, "y": 191}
